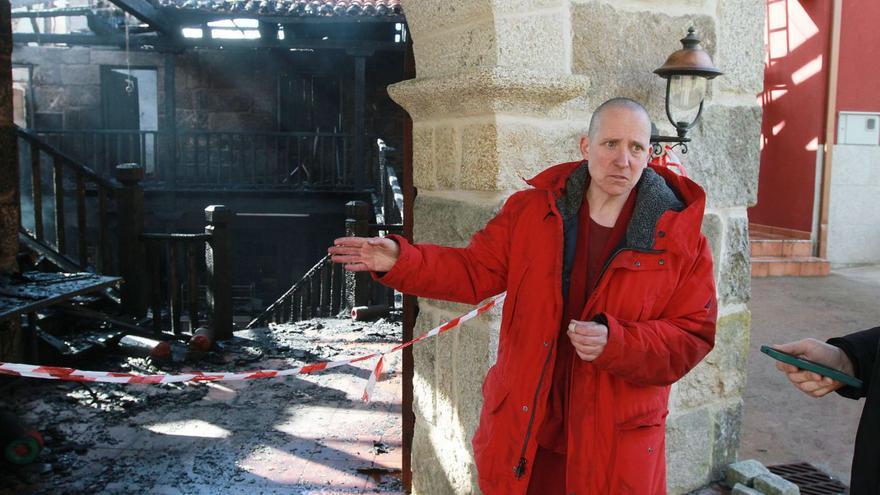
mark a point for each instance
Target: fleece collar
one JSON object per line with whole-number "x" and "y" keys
{"x": 655, "y": 196}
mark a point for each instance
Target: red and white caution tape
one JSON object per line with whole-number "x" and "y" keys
{"x": 70, "y": 374}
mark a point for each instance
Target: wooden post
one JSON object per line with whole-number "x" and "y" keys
{"x": 218, "y": 260}
{"x": 192, "y": 281}
{"x": 60, "y": 227}
{"x": 360, "y": 61}
{"x": 131, "y": 255}
{"x": 81, "y": 227}
{"x": 168, "y": 169}
{"x": 37, "y": 191}
{"x": 174, "y": 286}
{"x": 357, "y": 224}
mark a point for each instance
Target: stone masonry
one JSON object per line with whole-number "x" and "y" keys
{"x": 504, "y": 89}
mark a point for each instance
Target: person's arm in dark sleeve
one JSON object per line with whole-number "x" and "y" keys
{"x": 861, "y": 349}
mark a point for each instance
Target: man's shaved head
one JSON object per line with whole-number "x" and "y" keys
{"x": 615, "y": 103}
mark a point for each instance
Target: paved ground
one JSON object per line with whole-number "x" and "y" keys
{"x": 781, "y": 424}
{"x": 313, "y": 435}
{"x": 300, "y": 435}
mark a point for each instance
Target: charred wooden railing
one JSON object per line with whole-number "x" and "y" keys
{"x": 68, "y": 181}
{"x": 179, "y": 262}
{"x": 210, "y": 159}
{"x": 326, "y": 289}
{"x": 317, "y": 294}
{"x": 106, "y": 148}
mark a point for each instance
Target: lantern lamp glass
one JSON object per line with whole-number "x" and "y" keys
{"x": 686, "y": 93}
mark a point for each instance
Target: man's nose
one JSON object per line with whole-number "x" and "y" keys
{"x": 623, "y": 158}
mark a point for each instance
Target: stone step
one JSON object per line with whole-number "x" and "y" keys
{"x": 780, "y": 247}
{"x": 789, "y": 266}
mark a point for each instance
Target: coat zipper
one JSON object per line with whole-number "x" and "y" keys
{"x": 520, "y": 467}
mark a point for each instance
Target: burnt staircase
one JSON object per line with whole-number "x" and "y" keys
{"x": 81, "y": 226}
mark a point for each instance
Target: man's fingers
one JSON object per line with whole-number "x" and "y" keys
{"x": 587, "y": 328}
{"x": 346, "y": 258}
{"x": 803, "y": 347}
{"x": 352, "y": 242}
{"x": 588, "y": 347}
{"x": 786, "y": 368}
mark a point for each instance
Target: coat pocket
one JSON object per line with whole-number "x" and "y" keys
{"x": 639, "y": 454}
{"x": 488, "y": 445}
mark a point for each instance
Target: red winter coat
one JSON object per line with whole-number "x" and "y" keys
{"x": 656, "y": 295}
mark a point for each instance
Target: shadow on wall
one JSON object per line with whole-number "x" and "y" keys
{"x": 793, "y": 103}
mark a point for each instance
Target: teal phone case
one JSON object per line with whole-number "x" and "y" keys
{"x": 805, "y": 364}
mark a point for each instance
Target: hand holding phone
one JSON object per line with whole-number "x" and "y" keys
{"x": 812, "y": 366}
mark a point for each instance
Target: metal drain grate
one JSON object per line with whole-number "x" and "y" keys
{"x": 809, "y": 479}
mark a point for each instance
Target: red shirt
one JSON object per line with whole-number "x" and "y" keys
{"x": 595, "y": 244}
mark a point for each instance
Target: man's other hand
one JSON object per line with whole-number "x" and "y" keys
{"x": 588, "y": 338}
{"x": 361, "y": 254}
{"x": 817, "y": 351}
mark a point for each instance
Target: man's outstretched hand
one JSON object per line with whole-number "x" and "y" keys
{"x": 362, "y": 254}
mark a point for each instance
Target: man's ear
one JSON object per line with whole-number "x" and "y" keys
{"x": 584, "y": 146}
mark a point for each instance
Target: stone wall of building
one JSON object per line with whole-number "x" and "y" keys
{"x": 11, "y": 337}
{"x": 504, "y": 89}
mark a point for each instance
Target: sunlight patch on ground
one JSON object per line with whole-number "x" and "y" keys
{"x": 190, "y": 428}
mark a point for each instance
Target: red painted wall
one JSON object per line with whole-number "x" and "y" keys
{"x": 793, "y": 100}
{"x": 858, "y": 85}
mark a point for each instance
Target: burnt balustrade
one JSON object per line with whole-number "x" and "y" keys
{"x": 178, "y": 262}
{"x": 60, "y": 179}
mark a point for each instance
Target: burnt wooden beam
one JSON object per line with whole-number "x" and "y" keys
{"x": 68, "y": 39}
{"x": 183, "y": 16}
{"x": 131, "y": 253}
{"x": 59, "y": 12}
{"x": 146, "y": 12}
{"x": 357, "y": 284}
{"x": 218, "y": 261}
{"x": 170, "y": 119}
{"x": 359, "y": 117}
{"x": 287, "y": 43}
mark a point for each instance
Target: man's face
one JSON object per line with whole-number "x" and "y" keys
{"x": 618, "y": 152}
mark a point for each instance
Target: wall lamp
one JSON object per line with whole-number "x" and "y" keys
{"x": 687, "y": 72}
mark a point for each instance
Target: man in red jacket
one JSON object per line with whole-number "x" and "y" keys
{"x": 610, "y": 300}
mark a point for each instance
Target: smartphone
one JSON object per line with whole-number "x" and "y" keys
{"x": 805, "y": 364}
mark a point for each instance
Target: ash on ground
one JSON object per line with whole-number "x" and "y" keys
{"x": 303, "y": 435}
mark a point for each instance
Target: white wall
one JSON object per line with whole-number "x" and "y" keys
{"x": 854, "y": 214}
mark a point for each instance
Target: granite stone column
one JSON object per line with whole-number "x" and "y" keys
{"x": 505, "y": 89}
{"x": 11, "y": 343}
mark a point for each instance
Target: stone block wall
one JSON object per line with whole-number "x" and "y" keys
{"x": 505, "y": 89}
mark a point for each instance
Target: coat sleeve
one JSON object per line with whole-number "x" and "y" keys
{"x": 660, "y": 352}
{"x": 467, "y": 275}
{"x": 861, "y": 348}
